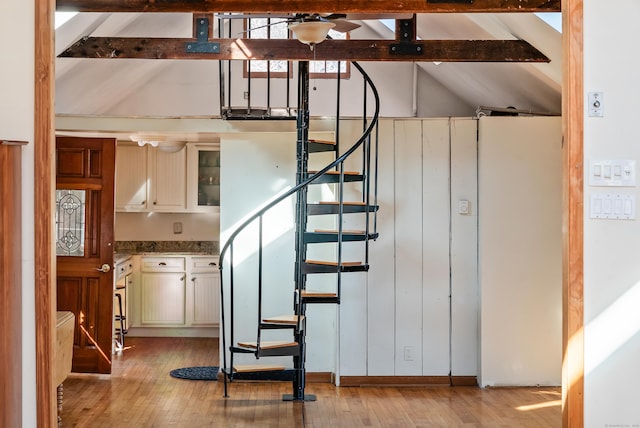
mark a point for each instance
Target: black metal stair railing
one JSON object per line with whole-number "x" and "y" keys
{"x": 367, "y": 206}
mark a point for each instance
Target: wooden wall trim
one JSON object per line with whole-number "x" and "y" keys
{"x": 44, "y": 144}
{"x": 573, "y": 252}
{"x": 10, "y": 286}
{"x": 348, "y": 381}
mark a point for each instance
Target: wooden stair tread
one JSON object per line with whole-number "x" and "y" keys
{"x": 330, "y": 143}
{"x": 332, "y": 172}
{"x": 284, "y": 319}
{"x": 247, "y": 368}
{"x": 314, "y": 293}
{"x": 344, "y": 203}
{"x": 351, "y": 232}
{"x": 268, "y": 344}
{"x": 322, "y": 262}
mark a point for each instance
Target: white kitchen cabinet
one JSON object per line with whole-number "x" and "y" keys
{"x": 131, "y": 177}
{"x": 163, "y": 291}
{"x": 167, "y": 180}
{"x": 203, "y": 177}
{"x": 178, "y": 291}
{"x": 163, "y": 299}
{"x": 151, "y": 179}
{"x": 206, "y": 290}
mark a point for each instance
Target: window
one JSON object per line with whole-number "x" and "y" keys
{"x": 276, "y": 28}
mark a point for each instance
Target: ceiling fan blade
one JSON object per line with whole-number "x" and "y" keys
{"x": 271, "y": 24}
{"x": 344, "y": 26}
{"x": 254, "y": 16}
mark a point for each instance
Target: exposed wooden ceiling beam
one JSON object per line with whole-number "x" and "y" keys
{"x": 319, "y": 6}
{"x": 331, "y": 50}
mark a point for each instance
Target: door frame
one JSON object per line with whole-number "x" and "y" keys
{"x": 573, "y": 274}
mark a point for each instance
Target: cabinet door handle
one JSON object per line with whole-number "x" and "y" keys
{"x": 143, "y": 202}
{"x": 212, "y": 264}
{"x": 182, "y": 279}
{"x": 193, "y": 279}
{"x": 162, "y": 264}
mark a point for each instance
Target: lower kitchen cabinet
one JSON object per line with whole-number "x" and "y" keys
{"x": 179, "y": 293}
{"x": 163, "y": 298}
{"x": 206, "y": 292}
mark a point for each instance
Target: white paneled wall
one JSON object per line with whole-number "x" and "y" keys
{"x": 399, "y": 324}
{"x": 464, "y": 244}
{"x": 398, "y": 319}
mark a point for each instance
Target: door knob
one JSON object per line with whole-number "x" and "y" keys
{"x": 104, "y": 268}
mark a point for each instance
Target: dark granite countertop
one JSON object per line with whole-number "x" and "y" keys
{"x": 167, "y": 247}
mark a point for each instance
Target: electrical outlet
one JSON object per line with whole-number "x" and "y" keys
{"x": 408, "y": 353}
{"x": 177, "y": 228}
{"x": 246, "y": 95}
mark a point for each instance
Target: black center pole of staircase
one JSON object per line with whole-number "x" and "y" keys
{"x": 302, "y": 156}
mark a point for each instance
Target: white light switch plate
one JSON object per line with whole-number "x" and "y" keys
{"x": 613, "y": 206}
{"x": 612, "y": 173}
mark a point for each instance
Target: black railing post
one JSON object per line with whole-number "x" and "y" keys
{"x": 302, "y": 155}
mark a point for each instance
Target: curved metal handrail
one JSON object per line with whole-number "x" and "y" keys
{"x": 315, "y": 176}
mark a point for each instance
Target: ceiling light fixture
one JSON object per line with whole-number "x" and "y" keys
{"x": 161, "y": 142}
{"x": 311, "y": 32}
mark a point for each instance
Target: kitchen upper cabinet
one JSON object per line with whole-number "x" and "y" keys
{"x": 151, "y": 179}
{"x": 167, "y": 180}
{"x": 203, "y": 179}
{"x": 131, "y": 177}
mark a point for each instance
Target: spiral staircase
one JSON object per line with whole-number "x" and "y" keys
{"x": 261, "y": 346}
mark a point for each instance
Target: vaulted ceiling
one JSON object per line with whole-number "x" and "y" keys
{"x": 132, "y": 87}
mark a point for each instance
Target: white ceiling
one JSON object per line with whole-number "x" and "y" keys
{"x": 100, "y": 86}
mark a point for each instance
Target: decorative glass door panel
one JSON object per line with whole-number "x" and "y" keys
{"x": 70, "y": 221}
{"x": 208, "y": 178}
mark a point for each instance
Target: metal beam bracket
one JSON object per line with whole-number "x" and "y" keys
{"x": 202, "y": 44}
{"x": 406, "y": 35}
{"x": 406, "y": 49}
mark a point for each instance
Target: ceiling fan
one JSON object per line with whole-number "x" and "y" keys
{"x": 312, "y": 28}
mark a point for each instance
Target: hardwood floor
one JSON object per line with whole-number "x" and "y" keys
{"x": 140, "y": 393}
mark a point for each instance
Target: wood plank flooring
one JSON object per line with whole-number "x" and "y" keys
{"x": 140, "y": 393}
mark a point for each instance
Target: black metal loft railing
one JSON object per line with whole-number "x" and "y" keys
{"x": 246, "y": 109}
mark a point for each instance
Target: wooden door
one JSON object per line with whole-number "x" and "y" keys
{"x": 84, "y": 219}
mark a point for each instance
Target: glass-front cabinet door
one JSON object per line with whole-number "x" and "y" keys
{"x": 204, "y": 177}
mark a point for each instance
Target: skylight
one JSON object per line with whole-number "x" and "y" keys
{"x": 552, "y": 18}
{"x": 62, "y": 17}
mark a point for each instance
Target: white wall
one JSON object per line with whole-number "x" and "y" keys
{"x": 256, "y": 167}
{"x": 611, "y": 268}
{"x": 16, "y": 123}
{"x": 520, "y": 250}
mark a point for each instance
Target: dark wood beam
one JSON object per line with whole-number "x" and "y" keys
{"x": 330, "y": 50}
{"x": 320, "y": 6}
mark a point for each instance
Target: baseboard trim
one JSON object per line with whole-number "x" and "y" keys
{"x": 312, "y": 377}
{"x": 351, "y": 381}
{"x": 173, "y": 332}
{"x": 320, "y": 377}
{"x": 363, "y": 381}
